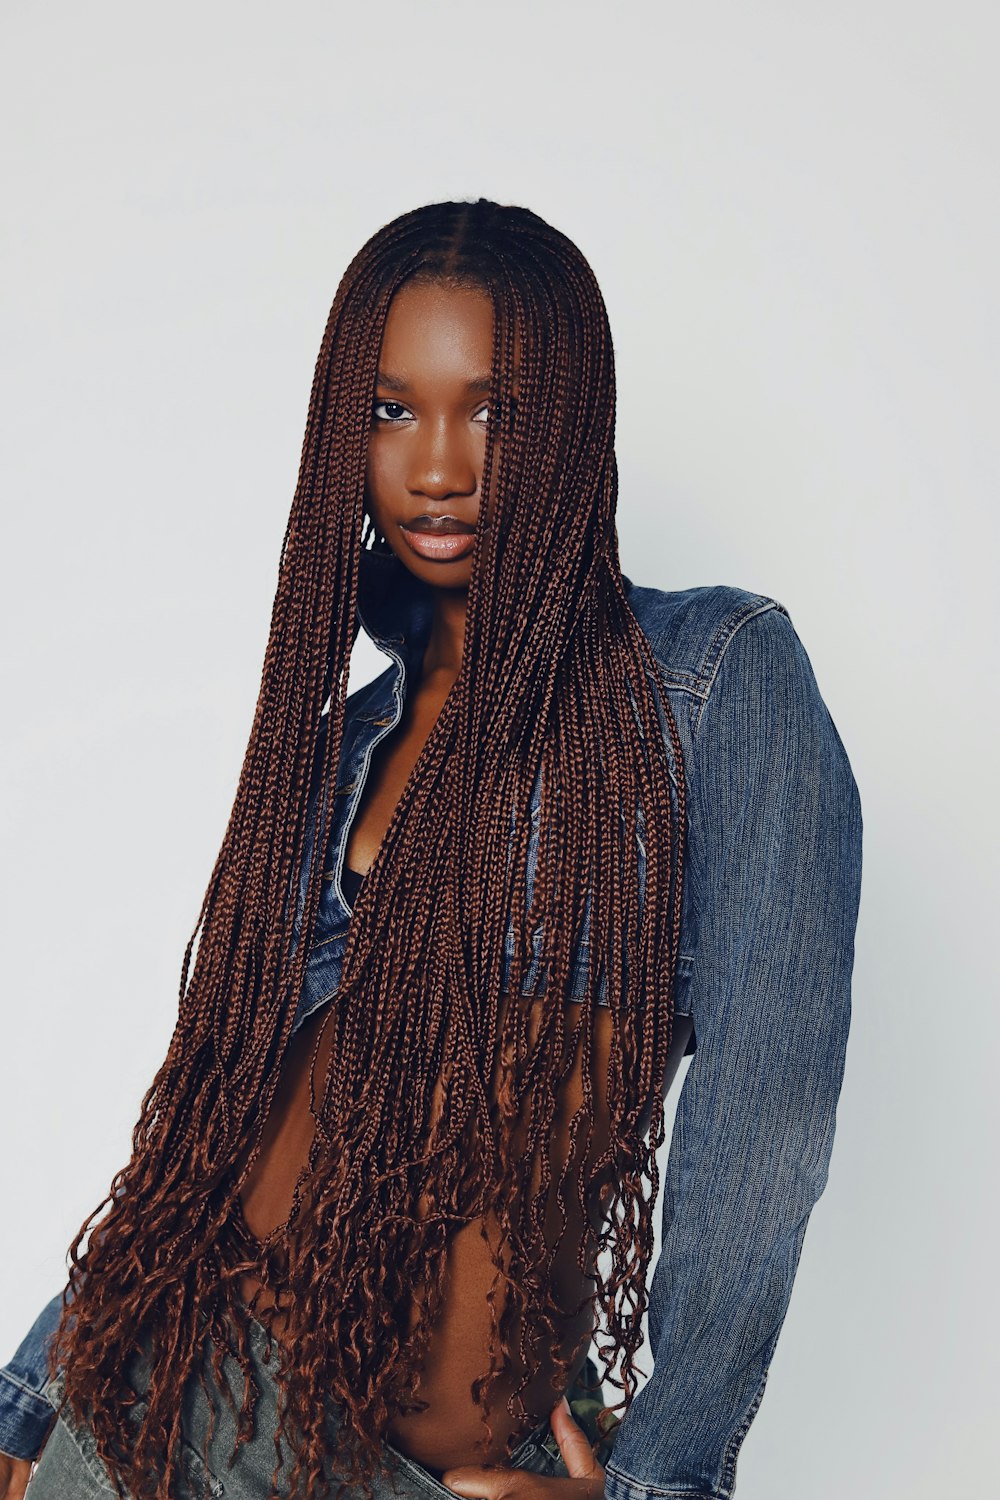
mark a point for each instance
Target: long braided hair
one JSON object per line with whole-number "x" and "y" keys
{"x": 557, "y": 680}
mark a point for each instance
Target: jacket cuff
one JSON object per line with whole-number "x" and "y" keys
{"x": 26, "y": 1419}
{"x": 619, "y": 1486}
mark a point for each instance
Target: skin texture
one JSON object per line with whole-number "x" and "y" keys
{"x": 428, "y": 440}
{"x": 14, "y": 1475}
{"x": 586, "y": 1476}
{"x": 425, "y": 456}
{"x": 563, "y": 663}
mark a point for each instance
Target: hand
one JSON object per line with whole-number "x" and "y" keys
{"x": 507, "y": 1482}
{"x": 14, "y": 1476}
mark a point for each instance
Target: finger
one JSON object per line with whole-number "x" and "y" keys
{"x": 574, "y": 1444}
{"x": 476, "y": 1483}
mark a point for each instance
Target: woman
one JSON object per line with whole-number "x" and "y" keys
{"x": 396, "y": 1173}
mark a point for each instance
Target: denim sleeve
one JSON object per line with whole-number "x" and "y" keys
{"x": 774, "y": 857}
{"x": 25, "y": 1414}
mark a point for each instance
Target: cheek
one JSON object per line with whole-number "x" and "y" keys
{"x": 372, "y": 458}
{"x": 380, "y": 477}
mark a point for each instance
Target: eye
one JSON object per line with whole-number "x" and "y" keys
{"x": 484, "y": 411}
{"x": 395, "y": 409}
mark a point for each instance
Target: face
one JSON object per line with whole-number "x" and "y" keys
{"x": 427, "y": 439}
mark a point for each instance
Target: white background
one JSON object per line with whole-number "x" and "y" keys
{"x": 791, "y": 209}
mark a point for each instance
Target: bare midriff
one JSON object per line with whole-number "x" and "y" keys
{"x": 446, "y": 1432}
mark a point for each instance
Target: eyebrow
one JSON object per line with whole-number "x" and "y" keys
{"x": 394, "y": 383}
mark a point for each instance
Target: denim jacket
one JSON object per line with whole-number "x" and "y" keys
{"x": 772, "y": 888}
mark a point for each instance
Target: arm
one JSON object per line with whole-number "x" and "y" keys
{"x": 774, "y": 856}
{"x": 25, "y": 1414}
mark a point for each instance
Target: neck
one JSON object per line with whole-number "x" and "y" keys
{"x": 446, "y": 641}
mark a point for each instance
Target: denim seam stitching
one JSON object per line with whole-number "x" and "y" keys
{"x": 670, "y": 674}
{"x": 726, "y": 629}
{"x": 661, "y": 672}
{"x": 755, "y": 604}
{"x": 736, "y": 1441}
{"x": 27, "y": 1389}
{"x": 334, "y": 936}
{"x": 737, "y": 625}
{"x": 654, "y": 1489}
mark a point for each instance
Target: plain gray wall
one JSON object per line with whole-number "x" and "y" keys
{"x": 791, "y": 209}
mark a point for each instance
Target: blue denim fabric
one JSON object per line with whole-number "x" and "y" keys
{"x": 773, "y": 879}
{"x": 70, "y": 1467}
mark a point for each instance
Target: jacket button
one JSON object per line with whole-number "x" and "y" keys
{"x": 348, "y": 788}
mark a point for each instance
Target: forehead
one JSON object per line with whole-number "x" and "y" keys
{"x": 434, "y": 328}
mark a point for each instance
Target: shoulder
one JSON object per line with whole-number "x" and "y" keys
{"x": 693, "y": 631}
{"x": 738, "y": 673}
{"x": 744, "y": 684}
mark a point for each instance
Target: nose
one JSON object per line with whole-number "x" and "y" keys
{"x": 444, "y": 461}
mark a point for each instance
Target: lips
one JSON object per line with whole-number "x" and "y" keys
{"x": 446, "y": 540}
{"x": 438, "y": 525}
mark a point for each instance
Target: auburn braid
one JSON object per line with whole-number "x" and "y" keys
{"x": 440, "y": 1095}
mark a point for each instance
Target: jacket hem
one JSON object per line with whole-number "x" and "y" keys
{"x": 25, "y": 1419}
{"x": 619, "y": 1486}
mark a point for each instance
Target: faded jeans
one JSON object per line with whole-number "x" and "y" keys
{"x": 69, "y": 1467}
